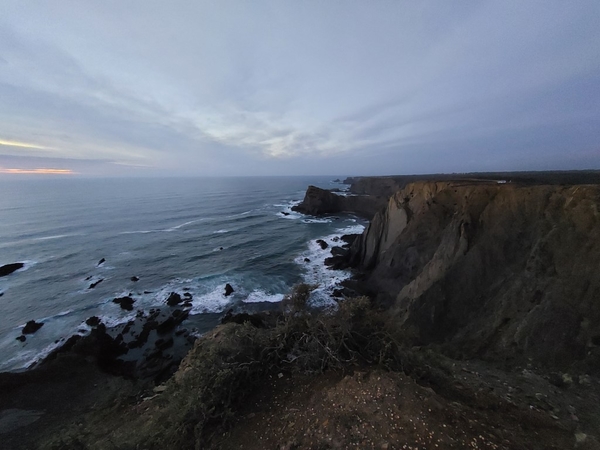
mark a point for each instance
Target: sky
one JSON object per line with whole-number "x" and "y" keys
{"x": 219, "y": 88}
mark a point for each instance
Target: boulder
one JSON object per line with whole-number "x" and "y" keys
{"x": 7, "y": 269}
{"x": 322, "y": 243}
{"x": 31, "y": 327}
{"x": 95, "y": 283}
{"x": 102, "y": 261}
{"x": 134, "y": 278}
{"x": 174, "y": 299}
{"x": 228, "y": 290}
{"x": 126, "y": 303}
{"x": 93, "y": 321}
{"x": 21, "y": 338}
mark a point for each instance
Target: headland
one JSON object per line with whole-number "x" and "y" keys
{"x": 472, "y": 321}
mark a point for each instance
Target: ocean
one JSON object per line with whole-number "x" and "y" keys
{"x": 176, "y": 235}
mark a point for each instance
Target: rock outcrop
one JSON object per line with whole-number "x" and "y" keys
{"x": 31, "y": 327}
{"x": 491, "y": 270}
{"x": 7, "y": 269}
{"x": 322, "y": 201}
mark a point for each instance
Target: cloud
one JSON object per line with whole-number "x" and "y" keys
{"x": 39, "y": 171}
{"x": 284, "y": 88}
{"x": 9, "y": 143}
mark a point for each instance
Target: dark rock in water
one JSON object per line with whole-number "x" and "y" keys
{"x": 174, "y": 299}
{"x": 220, "y": 248}
{"x": 7, "y": 269}
{"x": 166, "y": 326}
{"x": 285, "y": 213}
{"x": 228, "y": 290}
{"x": 1, "y": 294}
{"x": 337, "y": 180}
{"x": 31, "y": 327}
{"x": 322, "y": 243}
{"x": 100, "y": 346}
{"x": 161, "y": 344}
{"x": 135, "y": 278}
{"x": 128, "y": 326}
{"x": 21, "y": 338}
{"x": 147, "y": 292}
{"x": 180, "y": 314}
{"x": 96, "y": 283}
{"x": 88, "y": 278}
{"x": 306, "y": 259}
{"x": 187, "y": 295}
{"x": 102, "y": 261}
{"x": 125, "y": 302}
{"x": 339, "y": 251}
{"x": 337, "y": 262}
{"x": 349, "y": 238}
{"x": 187, "y": 304}
{"x": 335, "y": 239}
{"x": 93, "y": 321}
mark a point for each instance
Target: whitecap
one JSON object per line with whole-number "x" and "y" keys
{"x": 211, "y": 302}
{"x": 319, "y": 220}
{"x": 58, "y": 236}
{"x": 285, "y": 210}
{"x": 26, "y": 358}
{"x": 177, "y": 227}
{"x": 259, "y": 296}
{"x": 317, "y": 273}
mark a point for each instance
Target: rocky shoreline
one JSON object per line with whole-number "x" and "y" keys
{"x": 483, "y": 304}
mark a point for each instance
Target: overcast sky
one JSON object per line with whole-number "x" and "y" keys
{"x": 299, "y": 87}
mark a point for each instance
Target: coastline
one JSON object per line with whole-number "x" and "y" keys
{"x": 525, "y": 395}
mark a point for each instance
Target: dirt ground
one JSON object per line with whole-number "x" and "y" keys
{"x": 479, "y": 407}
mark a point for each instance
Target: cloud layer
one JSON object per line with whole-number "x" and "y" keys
{"x": 283, "y": 88}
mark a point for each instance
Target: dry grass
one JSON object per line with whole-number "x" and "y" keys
{"x": 215, "y": 378}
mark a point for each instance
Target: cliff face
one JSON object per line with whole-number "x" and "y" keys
{"x": 321, "y": 201}
{"x": 491, "y": 270}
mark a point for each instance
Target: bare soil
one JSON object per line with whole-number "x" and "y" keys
{"x": 477, "y": 406}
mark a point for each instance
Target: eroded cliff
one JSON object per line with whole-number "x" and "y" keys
{"x": 321, "y": 201}
{"x": 491, "y": 270}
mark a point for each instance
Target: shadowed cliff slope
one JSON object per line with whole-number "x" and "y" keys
{"x": 491, "y": 270}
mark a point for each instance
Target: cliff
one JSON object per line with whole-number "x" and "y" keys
{"x": 321, "y": 201}
{"x": 500, "y": 271}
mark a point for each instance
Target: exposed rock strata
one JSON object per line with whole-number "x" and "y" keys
{"x": 491, "y": 270}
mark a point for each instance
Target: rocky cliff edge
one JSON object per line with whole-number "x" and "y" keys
{"x": 491, "y": 270}
{"x": 322, "y": 201}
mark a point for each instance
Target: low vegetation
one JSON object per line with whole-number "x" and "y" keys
{"x": 201, "y": 400}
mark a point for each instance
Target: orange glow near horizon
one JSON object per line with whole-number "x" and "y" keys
{"x": 38, "y": 171}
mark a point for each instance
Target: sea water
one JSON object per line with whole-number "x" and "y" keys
{"x": 176, "y": 235}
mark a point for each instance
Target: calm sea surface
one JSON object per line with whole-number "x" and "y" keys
{"x": 185, "y": 235}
